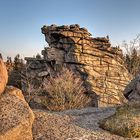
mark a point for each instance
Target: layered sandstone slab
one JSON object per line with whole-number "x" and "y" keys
{"x": 100, "y": 65}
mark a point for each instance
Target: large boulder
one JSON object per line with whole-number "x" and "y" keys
{"x": 125, "y": 122}
{"x": 132, "y": 90}
{"x": 16, "y": 117}
{"x": 3, "y": 76}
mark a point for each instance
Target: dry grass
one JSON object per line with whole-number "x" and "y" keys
{"x": 65, "y": 91}
{"x": 125, "y": 122}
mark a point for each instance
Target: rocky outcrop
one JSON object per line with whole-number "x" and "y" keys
{"x": 100, "y": 66}
{"x": 16, "y": 117}
{"x": 132, "y": 90}
{"x": 3, "y": 76}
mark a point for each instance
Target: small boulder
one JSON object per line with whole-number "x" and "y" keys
{"x": 16, "y": 117}
{"x": 3, "y": 76}
{"x": 132, "y": 90}
{"x": 43, "y": 73}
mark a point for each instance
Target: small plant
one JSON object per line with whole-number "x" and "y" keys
{"x": 65, "y": 91}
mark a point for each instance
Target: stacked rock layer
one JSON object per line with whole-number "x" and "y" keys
{"x": 100, "y": 66}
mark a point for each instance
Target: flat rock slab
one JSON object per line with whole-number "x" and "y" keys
{"x": 73, "y": 125}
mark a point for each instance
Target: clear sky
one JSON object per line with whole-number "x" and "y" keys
{"x": 21, "y": 20}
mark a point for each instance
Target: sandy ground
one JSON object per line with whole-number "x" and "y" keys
{"x": 73, "y": 125}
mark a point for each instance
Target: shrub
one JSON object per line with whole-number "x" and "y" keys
{"x": 65, "y": 91}
{"x": 125, "y": 122}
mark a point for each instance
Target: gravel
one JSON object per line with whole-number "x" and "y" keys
{"x": 74, "y": 124}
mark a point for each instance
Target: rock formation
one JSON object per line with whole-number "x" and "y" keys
{"x": 16, "y": 117}
{"x": 3, "y": 76}
{"x": 132, "y": 90}
{"x": 99, "y": 65}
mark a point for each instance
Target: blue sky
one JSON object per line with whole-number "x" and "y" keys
{"x": 21, "y": 20}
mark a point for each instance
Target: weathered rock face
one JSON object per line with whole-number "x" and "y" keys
{"x": 99, "y": 65}
{"x": 16, "y": 117}
{"x": 132, "y": 90}
{"x": 3, "y": 76}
